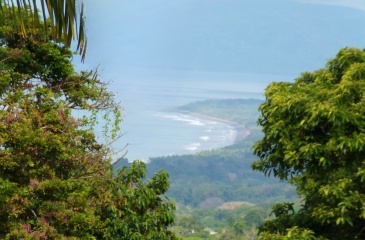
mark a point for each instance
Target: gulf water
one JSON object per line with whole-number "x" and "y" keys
{"x": 152, "y": 127}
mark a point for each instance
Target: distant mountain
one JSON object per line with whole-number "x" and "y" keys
{"x": 258, "y": 36}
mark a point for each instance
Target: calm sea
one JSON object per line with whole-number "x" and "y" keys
{"x": 151, "y": 129}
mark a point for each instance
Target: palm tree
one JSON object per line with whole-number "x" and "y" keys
{"x": 66, "y": 19}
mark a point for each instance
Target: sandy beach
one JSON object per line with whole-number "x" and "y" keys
{"x": 241, "y": 130}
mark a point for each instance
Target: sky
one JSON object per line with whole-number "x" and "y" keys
{"x": 262, "y": 36}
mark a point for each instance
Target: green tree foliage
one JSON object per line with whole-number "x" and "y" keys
{"x": 314, "y": 135}
{"x": 56, "y": 180}
{"x": 228, "y": 222}
{"x": 65, "y": 21}
{"x": 293, "y": 233}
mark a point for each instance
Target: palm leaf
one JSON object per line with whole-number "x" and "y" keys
{"x": 66, "y": 22}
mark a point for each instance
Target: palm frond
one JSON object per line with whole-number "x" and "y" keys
{"x": 66, "y": 20}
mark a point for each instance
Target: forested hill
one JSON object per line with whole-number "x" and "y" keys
{"x": 209, "y": 179}
{"x": 281, "y": 36}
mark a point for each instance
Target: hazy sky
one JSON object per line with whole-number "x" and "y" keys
{"x": 262, "y": 36}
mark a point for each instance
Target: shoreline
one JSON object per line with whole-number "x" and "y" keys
{"x": 241, "y": 130}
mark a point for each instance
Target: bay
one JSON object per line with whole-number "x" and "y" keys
{"x": 150, "y": 125}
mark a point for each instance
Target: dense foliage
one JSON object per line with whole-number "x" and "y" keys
{"x": 56, "y": 180}
{"x": 234, "y": 221}
{"x": 314, "y": 135}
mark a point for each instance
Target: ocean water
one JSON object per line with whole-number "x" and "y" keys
{"x": 150, "y": 125}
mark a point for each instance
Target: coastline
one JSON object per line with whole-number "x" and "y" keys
{"x": 241, "y": 130}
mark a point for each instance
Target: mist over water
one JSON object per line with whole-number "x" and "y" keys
{"x": 153, "y": 128}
